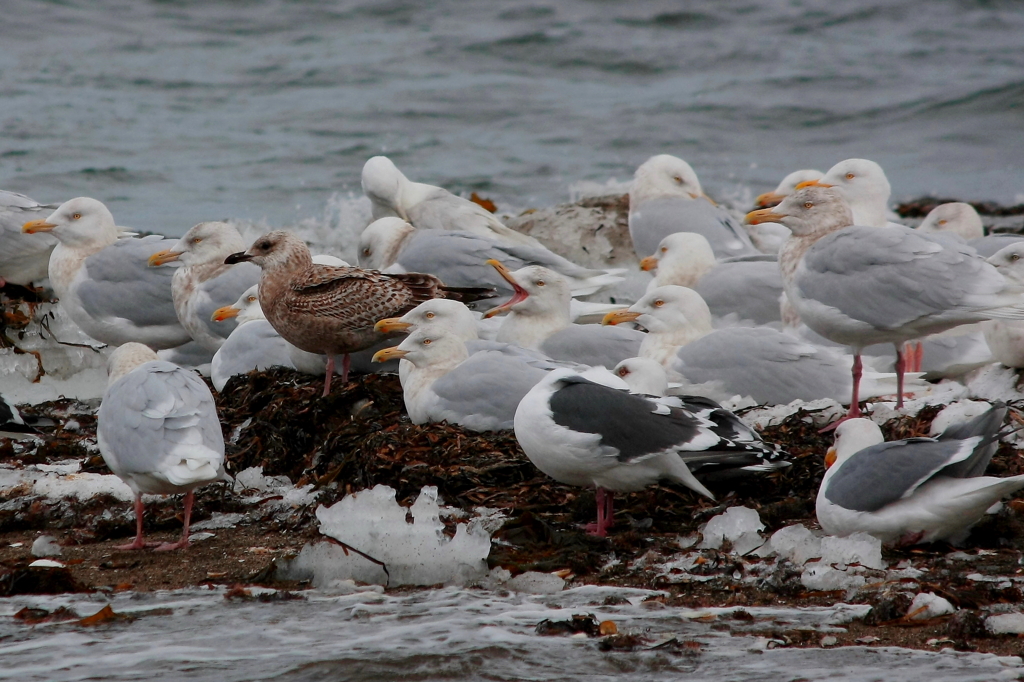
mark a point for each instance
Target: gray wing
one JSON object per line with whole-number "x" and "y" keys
{"x": 888, "y": 472}
{"x": 988, "y": 246}
{"x": 653, "y": 220}
{"x": 750, "y": 289}
{"x": 459, "y": 259}
{"x": 222, "y": 290}
{"x": 253, "y": 345}
{"x": 483, "y": 392}
{"x": 771, "y": 367}
{"x": 152, "y": 411}
{"x": 890, "y": 277}
{"x": 189, "y": 354}
{"x": 442, "y": 210}
{"x": 24, "y": 258}
{"x": 985, "y": 425}
{"x": 590, "y": 344}
{"x": 120, "y": 283}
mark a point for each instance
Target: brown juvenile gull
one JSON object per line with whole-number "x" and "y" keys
{"x": 332, "y": 310}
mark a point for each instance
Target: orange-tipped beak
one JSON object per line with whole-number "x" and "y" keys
{"x": 221, "y": 314}
{"x": 161, "y": 257}
{"x": 812, "y": 183}
{"x": 764, "y": 215}
{"x": 391, "y": 325}
{"x": 769, "y": 199}
{"x": 830, "y": 457}
{"x": 519, "y": 294}
{"x": 620, "y": 316}
{"x": 33, "y": 226}
{"x": 649, "y": 263}
{"x": 392, "y": 353}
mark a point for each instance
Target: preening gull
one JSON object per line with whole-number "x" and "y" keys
{"x": 459, "y": 258}
{"x": 446, "y": 383}
{"x": 863, "y": 285}
{"x": 914, "y": 490}
{"x": 582, "y": 433}
{"x": 864, "y": 186}
{"x": 204, "y": 282}
{"x": 963, "y": 220}
{"x": 332, "y": 310}
{"x": 158, "y": 430}
{"x": 787, "y": 187}
{"x": 428, "y": 207}
{"x": 254, "y": 344}
{"x": 766, "y": 365}
{"x": 24, "y": 258}
{"x": 643, "y": 375}
{"x": 104, "y": 283}
{"x": 745, "y": 288}
{"x": 666, "y": 197}
{"x": 538, "y": 318}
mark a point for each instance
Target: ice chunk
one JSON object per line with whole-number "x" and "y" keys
{"x": 796, "y": 543}
{"x": 219, "y": 520}
{"x": 416, "y": 553}
{"x": 928, "y": 605}
{"x": 994, "y": 382}
{"x": 956, "y": 413}
{"x": 740, "y": 526}
{"x": 45, "y": 546}
{"x": 821, "y": 576}
{"x": 858, "y": 548}
{"x": 291, "y": 497}
{"x": 534, "y": 582}
{"x": 1005, "y": 624}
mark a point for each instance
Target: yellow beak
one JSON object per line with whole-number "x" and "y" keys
{"x": 518, "y": 292}
{"x": 812, "y": 183}
{"x": 161, "y": 257}
{"x": 764, "y": 215}
{"x": 768, "y": 199}
{"x": 649, "y": 263}
{"x": 225, "y": 313}
{"x": 391, "y": 325}
{"x": 33, "y": 226}
{"x": 620, "y": 316}
{"x": 830, "y": 457}
{"x": 392, "y": 353}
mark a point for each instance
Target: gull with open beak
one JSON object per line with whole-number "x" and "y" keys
{"x": 103, "y": 281}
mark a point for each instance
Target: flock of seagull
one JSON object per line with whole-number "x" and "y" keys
{"x": 598, "y": 395}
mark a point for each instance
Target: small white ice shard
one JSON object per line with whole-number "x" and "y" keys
{"x": 857, "y": 548}
{"x": 741, "y": 526}
{"x": 796, "y": 543}
{"x": 416, "y": 553}
{"x": 927, "y": 605}
{"x": 534, "y": 582}
{"x": 821, "y": 576}
{"x": 1005, "y": 624}
{"x": 45, "y": 546}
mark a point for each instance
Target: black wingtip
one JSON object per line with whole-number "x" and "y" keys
{"x": 469, "y": 294}
{"x": 240, "y": 257}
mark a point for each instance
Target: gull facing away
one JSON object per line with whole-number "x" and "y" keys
{"x": 861, "y": 285}
{"x": 913, "y": 490}
{"x": 24, "y": 258}
{"x": 203, "y": 283}
{"x": 158, "y": 430}
{"x": 427, "y": 207}
{"x": 332, "y": 310}
{"x": 459, "y": 258}
{"x": 582, "y": 433}
{"x": 104, "y": 283}
{"x": 786, "y": 187}
{"x": 666, "y": 197}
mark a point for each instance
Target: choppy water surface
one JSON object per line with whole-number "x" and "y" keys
{"x": 439, "y": 634}
{"x": 173, "y": 112}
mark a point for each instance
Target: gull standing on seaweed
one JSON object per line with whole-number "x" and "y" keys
{"x": 158, "y": 430}
{"x": 254, "y": 344}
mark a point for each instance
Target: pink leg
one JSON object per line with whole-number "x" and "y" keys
{"x": 330, "y": 373}
{"x": 918, "y": 356}
{"x": 346, "y": 365}
{"x": 609, "y": 512}
{"x": 858, "y": 371}
{"x": 901, "y": 367}
{"x": 600, "y": 528}
{"x": 139, "y": 542}
{"x": 183, "y": 543}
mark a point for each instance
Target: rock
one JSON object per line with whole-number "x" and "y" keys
{"x": 965, "y": 624}
{"x": 829, "y": 640}
{"x": 534, "y": 582}
{"x": 45, "y": 546}
{"x": 890, "y": 605}
{"x": 928, "y": 605}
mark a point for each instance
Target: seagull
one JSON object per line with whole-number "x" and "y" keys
{"x": 582, "y": 433}
{"x": 1005, "y": 338}
{"x": 459, "y": 258}
{"x": 427, "y": 207}
{"x": 666, "y": 197}
{"x": 539, "y": 319}
{"x": 746, "y": 288}
{"x": 253, "y": 345}
{"x": 158, "y": 431}
{"x": 861, "y": 285}
{"x": 332, "y": 310}
{"x": 963, "y": 221}
{"x": 204, "y": 282}
{"x": 913, "y": 490}
{"x": 103, "y": 282}
{"x": 864, "y": 186}
{"x": 787, "y": 187}
{"x": 24, "y": 259}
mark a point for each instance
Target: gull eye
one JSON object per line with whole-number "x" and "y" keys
{"x": 264, "y": 245}
{"x": 366, "y": 252}
{"x": 197, "y": 240}
{"x": 623, "y": 371}
{"x": 850, "y": 176}
{"x": 678, "y": 179}
{"x": 429, "y": 316}
{"x": 76, "y": 216}
{"x": 659, "y": 303}
{"x": 540, "y": 282}
{"x": 427, "y": 342}
{"x": 808, "y": 204}
{"x": 664, "y": 249}
{"x": 942, "y": 222}
{"x": 252, "y": 299}
{"x": 1014, "y": 256}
